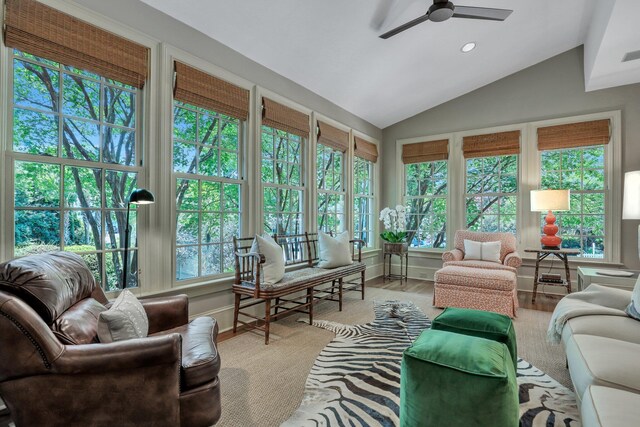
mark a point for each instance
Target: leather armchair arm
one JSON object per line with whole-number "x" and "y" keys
{"x": 119, "y": 356}
{"x": 513, "y": 260}
{"x": 166, "y": 312}
{"x": 453, "y": 255}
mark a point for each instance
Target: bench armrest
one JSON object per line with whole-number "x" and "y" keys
{"x": 359, "y": 243}
{"x": 248, "y": 269}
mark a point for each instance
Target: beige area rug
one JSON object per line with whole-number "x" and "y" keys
{"x": 263, "y": 385}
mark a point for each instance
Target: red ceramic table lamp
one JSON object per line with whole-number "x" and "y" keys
{"x": 548, "y": 201}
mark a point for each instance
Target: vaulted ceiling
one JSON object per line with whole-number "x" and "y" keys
{"x": 332, "y": 46}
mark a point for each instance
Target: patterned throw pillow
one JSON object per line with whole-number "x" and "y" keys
{"x": 125, "y": 320}
{"x": 633, "y": 310}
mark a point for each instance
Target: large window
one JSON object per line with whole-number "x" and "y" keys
{"x": 75, "y": 161}
{"x": 283, "y": 190}
{"x": 331, "y": 190}
{"x": 582, "y": 170}
{"x": 426, "y": 198}
{"x": 206, "y": 166}
{"x": 363, "y": 201}
{"x": 492, "y": 193}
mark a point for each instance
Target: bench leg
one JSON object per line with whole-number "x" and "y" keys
{"x": 277, "y": 305}
{"x": 340, "y": 294}
{"x": 267, "y": 319}
{"x": 310, "y": 303}
{"x": 362, "y": 283}
{"x": 236, "y": 309}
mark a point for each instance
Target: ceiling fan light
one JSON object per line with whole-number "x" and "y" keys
{"x": 468, "y": 47}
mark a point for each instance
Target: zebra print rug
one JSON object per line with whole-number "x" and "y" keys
{"x": 355, "y": 381}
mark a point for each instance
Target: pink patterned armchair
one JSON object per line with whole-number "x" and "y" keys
{"x": 482, "y": 285}
{"x": 508, "y": 253}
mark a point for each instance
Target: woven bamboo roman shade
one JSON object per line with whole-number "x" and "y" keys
{"x": 204, "y": 90}
{"x": 429, "y": 151}
{"x": 43, "y": 31}
{"x": 491, "y": 144}
{"x": 574, "y": 135}
{"x": 333, "y": 137}
{"x": 366, "y": 150}
{"x": 284, "y": 118}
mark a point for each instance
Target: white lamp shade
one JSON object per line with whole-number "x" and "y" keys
{"x": 550, "y": 200}
{"x": 631, "y": 200}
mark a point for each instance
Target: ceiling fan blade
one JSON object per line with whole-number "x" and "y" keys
{"x": 486, "y": 13}
{"x": 406, "y": 26}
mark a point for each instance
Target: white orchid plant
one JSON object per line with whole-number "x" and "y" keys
{"x": 395, "y": 224}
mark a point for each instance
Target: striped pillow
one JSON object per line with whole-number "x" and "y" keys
{"x": 633, "y": 310}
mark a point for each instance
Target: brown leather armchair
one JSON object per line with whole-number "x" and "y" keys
{"x": 54, "y": 372}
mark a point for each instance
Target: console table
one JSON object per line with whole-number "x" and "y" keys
{"x": 562, "y": 255}
{"x": 401, "y": 250}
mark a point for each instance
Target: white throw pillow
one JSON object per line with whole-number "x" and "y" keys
{"x": 483, "y": 251}
{"x": 633, "y": 310}
{"x": 273, "y": 266}
{"x": 334, "y": 251}
{"x": 124, "y": 320}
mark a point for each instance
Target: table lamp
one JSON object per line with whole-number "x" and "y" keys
{"x": 139, "y": 196}
{"x": 548, "y": 201}
{"x": 631, "y": 198}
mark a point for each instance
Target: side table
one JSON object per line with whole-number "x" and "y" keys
{"x": 400, "y": 249}
{"x": 589, "y": 275}
{"x": 562, "y": 255}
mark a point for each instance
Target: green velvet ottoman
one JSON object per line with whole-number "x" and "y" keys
{"x": 455, "y": 380}
{"x": 478, "y": 323}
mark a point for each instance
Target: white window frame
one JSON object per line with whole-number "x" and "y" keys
{"x": 529, "y": 230}
{"x": 372, "y": 202}
{"x": 452, "y": 184}
{"x": 167, "y": 178}
{"x": 146, "y": 127}
{"x": 376, "y": 189}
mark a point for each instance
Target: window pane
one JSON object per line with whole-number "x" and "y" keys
{"x": 35, "y": 86}
{"x": 82, "y": 187}
{"x": 36, "y": 231}
{"x": 81, "y": 97}
{"x": 35, "y": 132}
{"x": 426, "y": 222}
{"x": 81, "y": 140}
{"x": 119, "y": 107}
{"x": 118, "y": 146}
{"x": 82, "y": 231}
{"x": 186, "y": 262}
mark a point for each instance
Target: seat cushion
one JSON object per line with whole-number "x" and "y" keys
{"x": 303, "y": 275}
{"x": 444, "y": 373}
{"x": 200, "y": 359}
{"x": 610, "y": 407}
{"x": 503, "y": 280}
{"x": 478, "y": 323}
{"x": 79, "y": 324}
{"x": 616, "y": 327}
{"x": 480, "y": 264}
{"x": 603, "y": 361}
{"x": 50, "y": 283}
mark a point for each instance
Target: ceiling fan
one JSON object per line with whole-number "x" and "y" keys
{"x": 441, "y": 10}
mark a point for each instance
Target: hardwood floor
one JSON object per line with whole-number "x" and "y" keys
{"x": 544, "y": 302}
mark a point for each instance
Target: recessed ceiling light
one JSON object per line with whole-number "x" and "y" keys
{"x": 468, "y": 47}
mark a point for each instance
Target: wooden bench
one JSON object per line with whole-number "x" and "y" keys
{"x": 301, "y": 254}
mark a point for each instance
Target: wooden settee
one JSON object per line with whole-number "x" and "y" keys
{"x": 301, "y": 254}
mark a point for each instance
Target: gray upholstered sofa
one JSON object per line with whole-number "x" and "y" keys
{"x": 603, "y": 354}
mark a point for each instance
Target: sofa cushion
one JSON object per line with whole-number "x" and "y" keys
{"x": 480, "y": 264}
{"x": 616, "y": 327}
{"x": 504, "y": 280}
{"x": 609, "y": 407}
{"x": 602, "y": 361}
{"x": 200, "y": 360}
{"x": 79, "y": 324}
{"x": 50, "y": 283}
